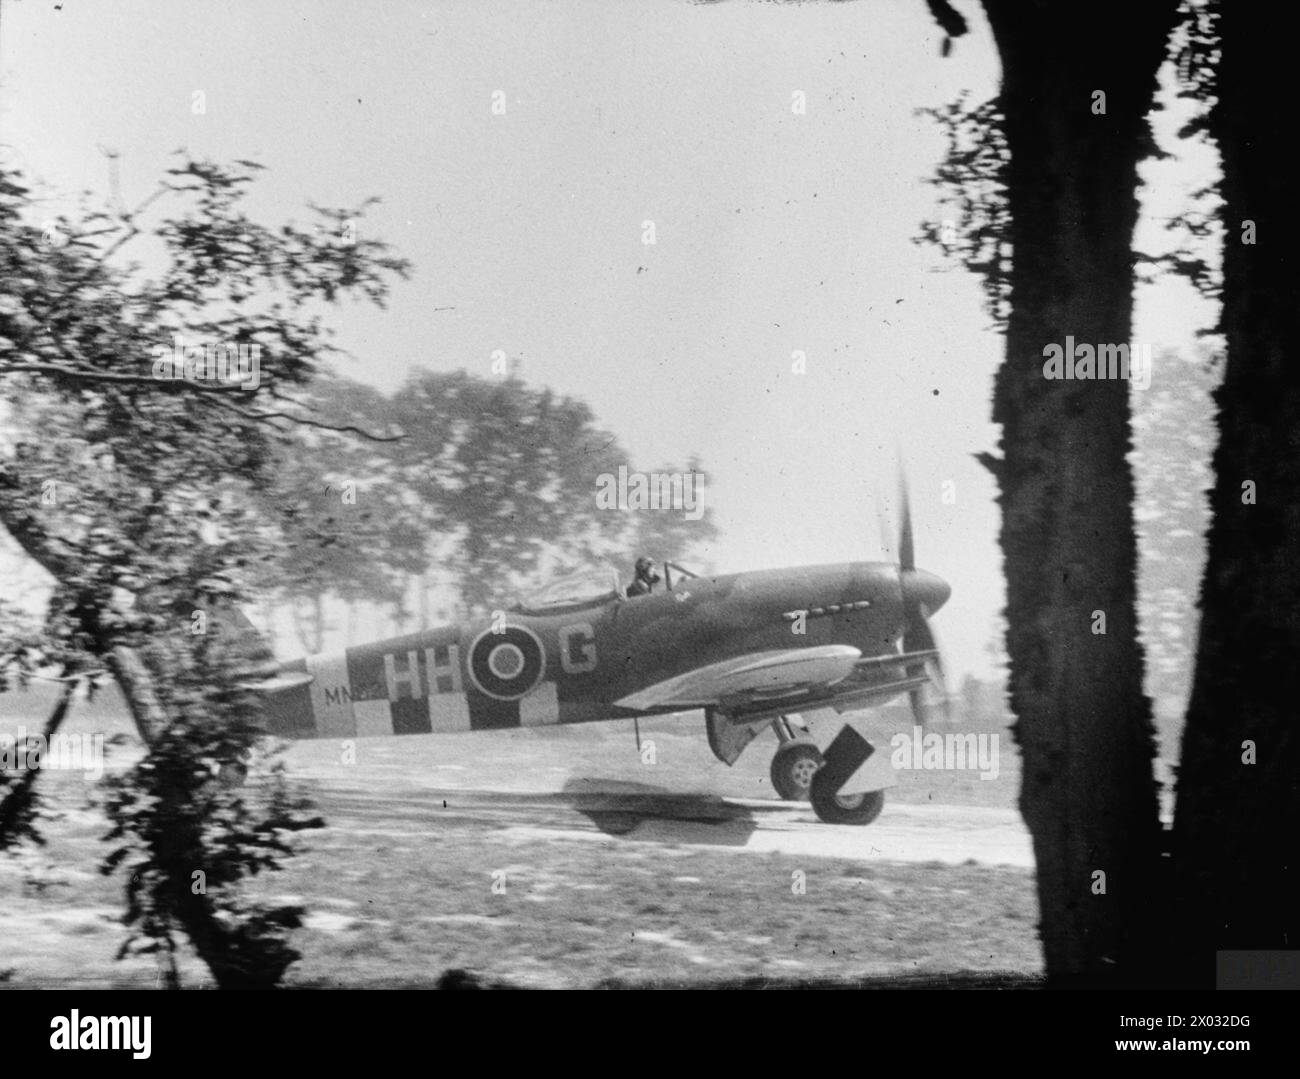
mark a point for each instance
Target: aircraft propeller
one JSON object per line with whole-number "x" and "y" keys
{"x": 922, "y": 592}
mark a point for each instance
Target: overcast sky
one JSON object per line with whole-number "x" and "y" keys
{"x": 775, "y": 232}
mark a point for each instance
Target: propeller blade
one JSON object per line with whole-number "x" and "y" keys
{"x": 906, "y": 551}
{"x": 932, "y": 699}
{"x": 919, "y": 637}
{"x": 921, "y": 593}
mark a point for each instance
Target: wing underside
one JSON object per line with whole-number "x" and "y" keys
{"x": 834, "y": 675}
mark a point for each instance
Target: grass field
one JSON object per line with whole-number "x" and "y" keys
{"x": 394, "y": 901}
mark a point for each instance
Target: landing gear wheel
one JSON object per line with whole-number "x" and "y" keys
{"x": 233, "y": 775}
{"x": 844, "y": 808}
{"x": 793, "y": 766}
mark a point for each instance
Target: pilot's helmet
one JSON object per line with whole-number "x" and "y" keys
{"x": 643, "y": 564}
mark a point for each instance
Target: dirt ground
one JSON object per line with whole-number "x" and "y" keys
{"x": 559, "y": 858}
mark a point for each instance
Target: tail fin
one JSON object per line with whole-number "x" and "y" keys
{"x": 234, "y": 632}
{"x": 235, "y": 637}
{"x": 253, "y": 662}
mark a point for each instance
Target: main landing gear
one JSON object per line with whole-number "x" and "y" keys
{"x": 794, "y": 763}
{"x": 798, "y": 776}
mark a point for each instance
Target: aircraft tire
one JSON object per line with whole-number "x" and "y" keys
{"x": 233, "y": 775}
{"x": 793, "y": 766}
{"x": 844, "y": 809}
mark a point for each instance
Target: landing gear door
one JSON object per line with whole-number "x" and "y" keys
{"x": 871, "y": 767}
{"x": 727, "y": 739}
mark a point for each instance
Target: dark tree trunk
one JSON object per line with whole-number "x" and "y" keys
{"x": 136, "y": 682}
{"x": 1235, "y": 837}
{"x": 126, "y": 664}
{"x": 1084, "y": 726}
{"x": 19, "y": 798}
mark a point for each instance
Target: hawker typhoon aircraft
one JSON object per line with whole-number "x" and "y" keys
{"x": 749, "y": 649}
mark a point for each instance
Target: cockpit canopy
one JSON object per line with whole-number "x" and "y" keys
{"x": 589, "y": 587}
{"x": 596, "y": 584}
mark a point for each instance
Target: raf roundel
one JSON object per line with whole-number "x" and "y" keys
{"x": 507, "y": 665}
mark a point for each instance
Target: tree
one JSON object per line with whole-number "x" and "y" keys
{"x": 492, "y": 484}
{"x": 185, "y": 839}
{"x": 1229, "y": 880}
{"x": 343, "y": 525}
{"x": 144, "y": 410}
{"x": 1235, "y": 837}
{"x": 1073, "y": 106}
{"x": 505, "y": 474}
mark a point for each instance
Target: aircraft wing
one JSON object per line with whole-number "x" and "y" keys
{"x": 758, "y": 675}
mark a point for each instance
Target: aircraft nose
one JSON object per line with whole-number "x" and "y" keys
{"x": 928, "y": 589}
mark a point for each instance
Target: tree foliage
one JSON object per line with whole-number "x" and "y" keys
{"x": 495, "y": 482}
{"x": 141, "y": 495}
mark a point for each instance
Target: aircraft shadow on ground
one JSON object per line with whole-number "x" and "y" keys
{"x": 619, "y": 807}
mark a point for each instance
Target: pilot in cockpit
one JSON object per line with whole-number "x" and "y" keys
{"x": 645, "y": 580}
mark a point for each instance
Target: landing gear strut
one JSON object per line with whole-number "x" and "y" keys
{"x": 795, "y": 762}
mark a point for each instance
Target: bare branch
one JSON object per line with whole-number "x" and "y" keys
{"x": 305, "y": 421}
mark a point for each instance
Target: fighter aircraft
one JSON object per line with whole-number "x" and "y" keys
{"x": 777, "y": 648}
